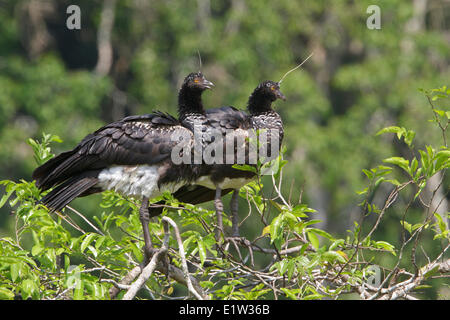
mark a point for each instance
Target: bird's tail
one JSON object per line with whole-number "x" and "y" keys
{"x": 43, "y": 173}
{"x": 72, "y": 188}
{"x": 64, "y": 165}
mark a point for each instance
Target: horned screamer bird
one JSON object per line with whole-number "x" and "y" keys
{"x": 218, "y": 179}
{"x": 131, "y": 156}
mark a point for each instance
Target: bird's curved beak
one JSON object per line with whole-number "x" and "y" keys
{"x": 280, "y": 95}
{"x": 207, "y": 84}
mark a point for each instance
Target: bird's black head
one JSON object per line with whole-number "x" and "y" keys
{"x": 197, "y": 81}
{"x": 190, "y": 94}
{"x": 270, "y": 90}
{"x": 262, "y": 97}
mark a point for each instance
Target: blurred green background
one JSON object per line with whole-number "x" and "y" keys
{"x": 54, "y": 80}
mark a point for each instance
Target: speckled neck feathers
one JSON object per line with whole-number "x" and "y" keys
{"x": 189, "y": 102}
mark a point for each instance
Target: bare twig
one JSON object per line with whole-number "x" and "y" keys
{"x": 145, "y": 275}
{"x": 85, "y": 220}
{"x": 125, "y": 282}
{"x": 183, "y": 257}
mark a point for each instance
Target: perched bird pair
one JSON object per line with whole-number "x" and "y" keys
{"x": 135, "y": 155}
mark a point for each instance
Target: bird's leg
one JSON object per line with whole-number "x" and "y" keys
{"x": 144, "y": 217}
{"x": 218, "y": 205}
{"x": 234, "y": 206}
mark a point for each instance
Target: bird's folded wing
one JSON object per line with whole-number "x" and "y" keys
{"x": 146, "y": 139}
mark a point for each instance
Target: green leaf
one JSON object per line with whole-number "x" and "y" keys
{"x": 66, "y": 262}
{"x": 136, "y": 251}
{"x": 282, "y": 266}
{"x": 6, "y": 196}
{"x": 290, "y": 293}
{"x": 336, "y": 243}
{"x": 406, "y": 225}
{"x": 322, "y": 233}
{"x": 78, "y": 293}
{"x": 395, "y": 182}
{"x": 266, "y": 230}
{"x": 368, "y": 173}
{"x": 94, "y": 251}
{"x": 379, "y": 181}
{"x": 440, "y": 222}
{"x": 201, "y": 251}
{"x": 314, "y": 296}
{"x": 439, "y": 112}
{"x": 275, "y": 227}
{"x": 290, "y": 219}
{"x": 409, "y": 136}
{"x": 442, "y": 160}
{"x": 418, "y": 225}
{"x": 364, "y": 191}
{"x": 15, "y": 270}
{"x": 300, "y": 211}
{"x": 276, "y": 205}
{"x": 414, "y": 164}
{"x": 187, "y": 242}
{"x": 87, "y": 241}
{"x": 385, "y": 245}
{"x": 313, "y": 239}
{"x": 37, "y": 249}
{"x": 291, "y": 269}
{"x": 391, "y": 129}
{"x": 6, "y": 294}
{"x": 28, "y": 288}
{"x": 302, "y": 224}
{"x": 422, "y": 185}
{"x": 332, "y": 256}
{"x": 245, "y": 167}
{"x": 399, "y": 161}
{"x": 207, "y": 284}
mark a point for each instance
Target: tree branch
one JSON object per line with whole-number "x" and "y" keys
{"x": 105, "y": 52}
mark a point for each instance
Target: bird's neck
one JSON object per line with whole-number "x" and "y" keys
{"x": 258, "y": 104}
{"x": 189, "y": 103}
{"x": 261, "y": 113}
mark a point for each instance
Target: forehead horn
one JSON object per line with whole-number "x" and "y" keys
{"x": 295, "y": 68}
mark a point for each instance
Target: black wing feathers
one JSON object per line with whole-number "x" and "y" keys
{"x": 228, "y": 118}
{"x": 134, "y": 140}
{"x": 41, "y": 172}
{"x": 75, "y": 186}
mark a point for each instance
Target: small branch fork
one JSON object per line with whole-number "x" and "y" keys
{"x": 402, "y": 289}
{"x": 158, "y": 262}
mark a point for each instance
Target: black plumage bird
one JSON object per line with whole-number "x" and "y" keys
{"x": 216, "y": 180}
{"x": 131, "y": 156}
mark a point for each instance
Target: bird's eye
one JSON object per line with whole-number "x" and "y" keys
{"x": 268, "y": 85}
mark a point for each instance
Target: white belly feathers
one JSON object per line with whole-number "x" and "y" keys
{"x": 137, "y": 181}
